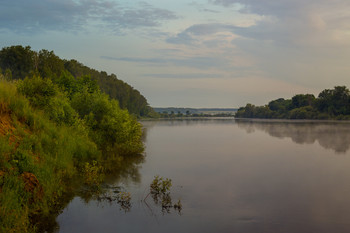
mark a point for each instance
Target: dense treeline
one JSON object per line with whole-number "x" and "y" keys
{"x": 53, "y": 127}
{"x": 18, "y": 62}
{"x": 330, "y": 104}
{"x": 172, "y": 114}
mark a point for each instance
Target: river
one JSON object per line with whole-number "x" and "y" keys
{"x": 230, "y": 176}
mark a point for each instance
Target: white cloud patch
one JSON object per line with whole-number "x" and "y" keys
{"x": 297, "y": 22}
{"x": 304, "y": 43}
{"x": 213, "y": 35}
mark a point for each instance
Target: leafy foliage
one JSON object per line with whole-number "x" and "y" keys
{"x": 49, "y": 130}
{"x": 330, "y": 104}
{"x": 93, "y": 174}
{"x": 124, "y": 200}
{"x": 160, "y": 191}
{"x": 160, "y": 185}
{"x": 19, "y": 62}
{"x": 18, "y": 59}
{"x": 128, "y": 97}
{"x": 44, "y": 94}
{"x": 79, "y": 102}
{"x": 53, "y": 125}
{"x": 37, "y": 155}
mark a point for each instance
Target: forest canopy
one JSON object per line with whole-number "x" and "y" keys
{"x": 56, "y": 126}
{"x": 330, "y": 104}
{"x": 18, "y": 62}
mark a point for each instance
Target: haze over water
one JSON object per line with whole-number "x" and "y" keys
{"x": 232, "y": 176}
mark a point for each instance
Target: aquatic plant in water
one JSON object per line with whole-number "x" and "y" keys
{"x": 160, "y": 192}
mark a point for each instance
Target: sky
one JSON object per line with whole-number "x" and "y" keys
{"x": 203, "y": 53}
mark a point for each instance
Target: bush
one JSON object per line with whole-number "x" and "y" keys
{"x": 112, "y": 128}
{"x": 49, "y": 133}
{"x": 303, "y": 113}
{"x": 45, "y": 95}
{"x": 34, "y": 145}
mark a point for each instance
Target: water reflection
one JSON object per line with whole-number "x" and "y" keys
{"x": 160, "y": 193}
{"x": 230, "y": 181}
{"x": 330, "y": 135}
{"x": 121, "y": 170}
{"x": 124, "y": 169}
{"x": 188, "y": 121}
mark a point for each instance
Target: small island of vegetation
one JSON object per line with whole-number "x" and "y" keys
{"x": 331, "y": 104}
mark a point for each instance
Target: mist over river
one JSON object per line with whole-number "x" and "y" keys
{"x": 230, "y": 176}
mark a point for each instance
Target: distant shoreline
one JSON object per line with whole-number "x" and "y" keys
{"x": 292, "y": 120}
{"x": 249, "y": 120}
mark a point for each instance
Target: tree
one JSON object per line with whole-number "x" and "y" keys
{"x": 248, "y": 111}
{"x": 334, "y": 101}
{"x": 49, "y": 65}
{"x": 112, "y": 128}
{"x": 128, "y": 97}
{"x": 18, "y": 59}
{"x": 279, "y": 105}
{"x": 302, "y": 100}
{"x": 330, "y": 104}
{"x": 8, "y": 74}
{"x": 45, "y": 95}
{"x": 305, "y": 112}
{"x": 20, "y": 62}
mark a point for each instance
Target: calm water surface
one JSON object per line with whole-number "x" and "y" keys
{"x": 231, "y": 176}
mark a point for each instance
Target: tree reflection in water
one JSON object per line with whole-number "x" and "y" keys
{"x": 304, "y": 132}
{"x": 117, "y": 170}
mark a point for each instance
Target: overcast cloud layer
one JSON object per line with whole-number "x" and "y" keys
{"x": 204, "y": 53}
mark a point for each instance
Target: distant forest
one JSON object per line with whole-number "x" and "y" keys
{"x": 331, "y": 104}
{"x": 173, "y": 112}
{"x": 18, "y": 62}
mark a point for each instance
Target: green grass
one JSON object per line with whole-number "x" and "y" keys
{"x": 35, "y": 145}
{"x": 47, "y": 139}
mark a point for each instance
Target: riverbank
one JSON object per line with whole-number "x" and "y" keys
{"x": 42, "y": 149}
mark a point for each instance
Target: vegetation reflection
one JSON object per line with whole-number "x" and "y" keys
{"x": 160, "y": 192}
{"x": 304, "y": 132}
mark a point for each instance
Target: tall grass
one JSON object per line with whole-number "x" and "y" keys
{"x": 48, "y": 152}
{"x": 47, "y": 137}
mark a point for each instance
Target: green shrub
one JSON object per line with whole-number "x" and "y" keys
{"x": 14, "y": 209}
{"x": 49, "y": 152}
{"x": 45, "y": 95}
{"x": 112, "y": 128}
{"x": 53, "y": 134}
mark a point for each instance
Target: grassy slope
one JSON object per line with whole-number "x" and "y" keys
{"x": 36, "y": 156}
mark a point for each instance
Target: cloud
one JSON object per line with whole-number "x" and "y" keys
{"x": 184, "y": 76}
{"x": 202, "y": 7}
{"x": 22, "y": 16}
{"x": 262, "y": 7}
{"x": 136, "y": 59}
{"x": 196, "y": 32}
{"x": 198, "y": 62}
{"x": 302, "y": 42}
{"x": 145, "y": 16}
{"x": 296, "y": 22}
